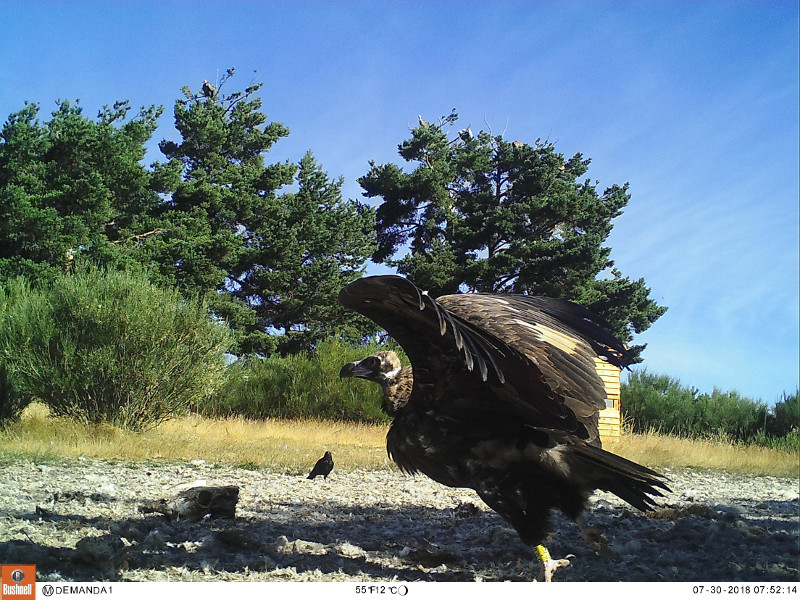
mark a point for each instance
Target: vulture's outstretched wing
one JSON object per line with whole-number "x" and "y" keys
{"x": 558, "y": 338}
{"x": 536, "y": 354}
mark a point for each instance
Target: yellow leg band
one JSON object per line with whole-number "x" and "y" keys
{"x": 541, "y": 553}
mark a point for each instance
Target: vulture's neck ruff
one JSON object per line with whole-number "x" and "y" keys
{"x": 385, "y": 369}
{"x": 397, "y": 390}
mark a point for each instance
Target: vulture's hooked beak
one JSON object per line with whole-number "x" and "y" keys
{"x": 354, "y": 369}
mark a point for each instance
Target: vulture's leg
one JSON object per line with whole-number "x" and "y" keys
{"x": 547, "y": 566}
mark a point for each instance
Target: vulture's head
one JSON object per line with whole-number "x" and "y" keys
{"x": 385, "y": 369}
{"x": 380, "y": 367}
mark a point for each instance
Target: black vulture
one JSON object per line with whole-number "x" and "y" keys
{"x": 502, "y": 397}
{"x": 466, "y": 134}
{"x": 208, "y": 89}
{"x": 323, "y": 467}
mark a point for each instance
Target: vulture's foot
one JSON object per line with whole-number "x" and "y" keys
{"x": 548, "y": 566}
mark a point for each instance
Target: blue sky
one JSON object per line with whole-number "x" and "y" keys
{"x": 695, "y": 104}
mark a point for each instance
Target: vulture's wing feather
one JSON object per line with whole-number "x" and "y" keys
{"x": 430, "y": 335}
{"x": 561, "y": 338}
{"x": 536, "y": 354}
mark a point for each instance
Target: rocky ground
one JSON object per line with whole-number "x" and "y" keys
{"x": 81, "y": 521}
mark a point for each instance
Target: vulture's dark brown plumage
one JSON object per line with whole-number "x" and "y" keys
{"x": 208, "y": 90}
{"x": 504, "y": 400}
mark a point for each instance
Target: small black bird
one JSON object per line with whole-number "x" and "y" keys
{"x": 323, "y": 467}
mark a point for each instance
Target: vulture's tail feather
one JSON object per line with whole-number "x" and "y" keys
{"x": 633, "y": 483}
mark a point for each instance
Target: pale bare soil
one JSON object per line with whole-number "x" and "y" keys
{"x": 78, "y": 520}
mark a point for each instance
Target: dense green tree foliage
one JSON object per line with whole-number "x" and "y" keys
{"x": 302, "y": 252}
{"x": 215, "y": 184}
{"x": 211, "y": 220}
{"x": 72, "y": 187}
{"x": 480, "y": 213}
{"x": 215, "y": 220}
{"x": 276, "y": 259}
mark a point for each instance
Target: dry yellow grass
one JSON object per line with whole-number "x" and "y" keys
{"x": 290, "y": 446}
{"x": 660, "y": 451}
{"x": 294, "y": 446}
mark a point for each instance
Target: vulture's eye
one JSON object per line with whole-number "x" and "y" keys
{"x": 372, "y": 362}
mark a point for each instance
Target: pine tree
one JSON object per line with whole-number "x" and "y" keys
{"x": 272, "y": 262}
{"x": 307, "y": 250}
{"x": 73, "y": 188}
{"x": 479, "y": 213}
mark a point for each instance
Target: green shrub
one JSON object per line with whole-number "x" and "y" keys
{"x": 785, "y": 416}
{"x": 299, "y": 386}
{"x": 109, "y": 346}
{"x": 660, "y": 403}
{"x": 729, "y": 414}
{"x": 9, "y": 408}
{"x": 21, "y": 315}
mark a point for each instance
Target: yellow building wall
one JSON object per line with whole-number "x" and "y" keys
{"x": 610, "y": 425}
